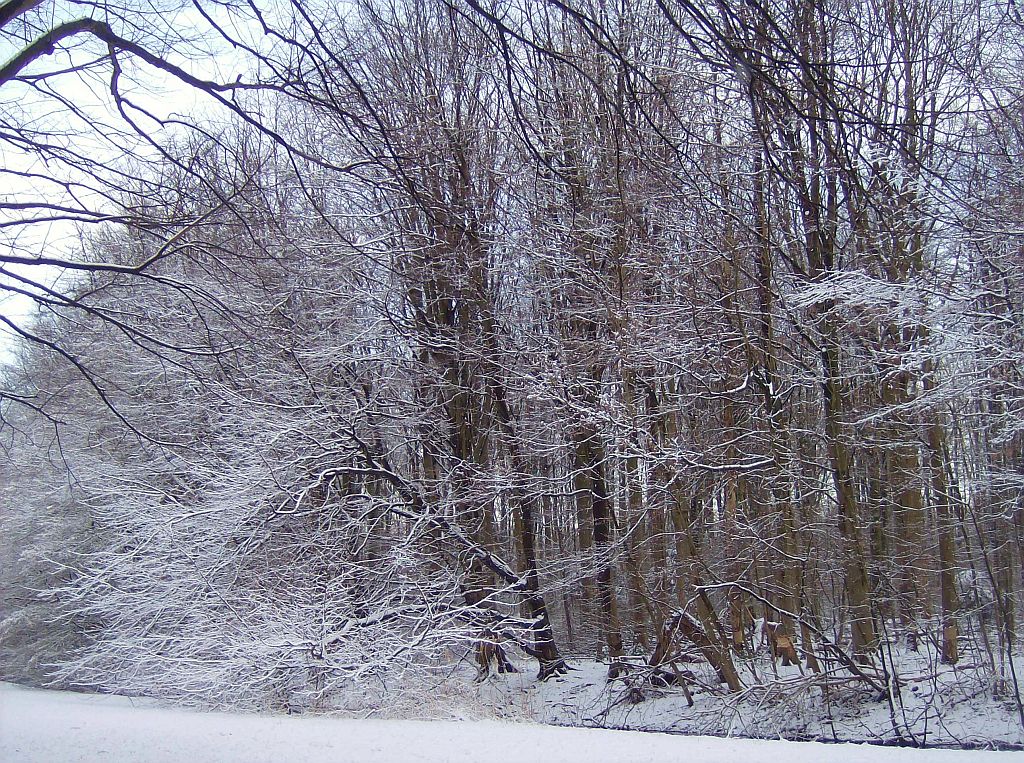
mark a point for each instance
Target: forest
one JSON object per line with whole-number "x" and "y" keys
{"x": 349, "y": 346}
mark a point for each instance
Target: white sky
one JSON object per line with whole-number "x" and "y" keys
{"x": 98, "y": 132}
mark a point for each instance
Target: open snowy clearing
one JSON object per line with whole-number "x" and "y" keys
{"x": 61, "y": 726}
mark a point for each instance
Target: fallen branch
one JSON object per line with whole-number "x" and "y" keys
{"x": 847, "y": 661}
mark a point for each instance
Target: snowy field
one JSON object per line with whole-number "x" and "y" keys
{"x": 64, "y": 727}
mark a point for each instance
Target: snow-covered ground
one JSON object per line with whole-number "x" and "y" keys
{"x": 65, "y": 727}
{"x": 937, "y": 705}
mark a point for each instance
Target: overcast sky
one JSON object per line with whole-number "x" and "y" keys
{"x": 172, "y": 28}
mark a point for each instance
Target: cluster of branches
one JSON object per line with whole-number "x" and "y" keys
{"x": 581, "y": 327}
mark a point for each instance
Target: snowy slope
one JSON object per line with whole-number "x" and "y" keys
{"x": 65, "y": 727}
{"x": 938, "y": 706}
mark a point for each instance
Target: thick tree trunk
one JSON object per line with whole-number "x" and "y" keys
{"x": 545, "y": 649}
{"x": 636, "y": 593}
{"x": 943, "y": 494}
{"x": 595, "y": 467}
{"x": 858, "y": 591}
{"x": 709, "y": 636}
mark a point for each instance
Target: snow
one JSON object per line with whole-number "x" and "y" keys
{"x": 42, "y": 726}
{"x": 938, "y": 705}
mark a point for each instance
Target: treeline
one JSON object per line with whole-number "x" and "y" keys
{"x": 597, "y": 329}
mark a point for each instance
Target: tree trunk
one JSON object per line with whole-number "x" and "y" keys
{"x": 858, "y": 591}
